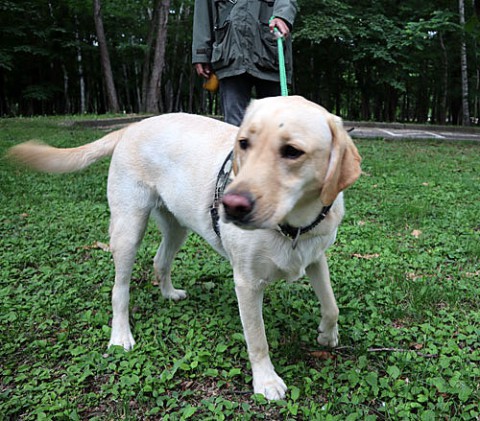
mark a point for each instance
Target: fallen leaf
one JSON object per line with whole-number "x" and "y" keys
{"x": 366, "y": 256}
{"x": 101, "y": 246}
{"x": 186, "y": 385}
{"x": 398, "y": 324}
{"x": 322, "y": 355}
{"x": 97, "y": 245}
{"x": 472, "y": 274}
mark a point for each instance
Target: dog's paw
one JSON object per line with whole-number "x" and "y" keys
{"x": 271, "y": 386}
{"x": 174, "y": 294}
{"x": 124, "y": 340}
{"x": 328, "y": 336}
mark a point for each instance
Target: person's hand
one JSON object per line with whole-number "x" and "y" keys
{"x": 280, "y": 25}
{"x": 203, "y": 69}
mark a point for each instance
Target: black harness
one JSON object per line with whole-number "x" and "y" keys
{"x": 223, "y": 180}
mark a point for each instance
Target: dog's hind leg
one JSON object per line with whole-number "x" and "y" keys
{"x": 127, "y": 228}
{"x": 173, "y": 237}
{"x": 320, "y": 279}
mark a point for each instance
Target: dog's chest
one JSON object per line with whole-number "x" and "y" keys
{"x": 290, "y": 273}
{"x": 290, "y": 264}
{"x": 267, "y": 255}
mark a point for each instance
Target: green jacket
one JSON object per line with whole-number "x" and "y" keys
{"x": 234, "y": 37}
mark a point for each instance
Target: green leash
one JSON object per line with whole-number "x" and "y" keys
{"x": 281, "y": 63}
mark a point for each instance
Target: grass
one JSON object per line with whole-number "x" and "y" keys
{"x": 405, "y": 271}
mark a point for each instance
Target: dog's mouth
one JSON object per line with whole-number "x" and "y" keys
{"x": 247, "y": 224}
{"x": 241, "y": 224}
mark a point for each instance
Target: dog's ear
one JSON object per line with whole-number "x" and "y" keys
{"x": 344, "y": 165}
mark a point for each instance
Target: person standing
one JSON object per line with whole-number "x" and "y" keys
{"x": 235, "y": 40}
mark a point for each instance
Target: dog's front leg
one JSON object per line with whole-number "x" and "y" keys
{"x": 320, "y": 279}
{"x": 265, "y": 379}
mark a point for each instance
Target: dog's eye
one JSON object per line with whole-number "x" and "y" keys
{"x": 244, "y": 144}
{"x": 290, "y": 152}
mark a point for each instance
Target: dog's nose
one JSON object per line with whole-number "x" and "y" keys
{"x": 238, "y": 205}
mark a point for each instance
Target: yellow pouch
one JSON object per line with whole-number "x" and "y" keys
{"x": 212, "y": 83}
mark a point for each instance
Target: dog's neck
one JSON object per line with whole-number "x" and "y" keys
{"x": 295, "y": 225}
{"x": 305, "y": 211}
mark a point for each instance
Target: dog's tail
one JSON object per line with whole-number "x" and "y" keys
{"x": 45, "y": 158}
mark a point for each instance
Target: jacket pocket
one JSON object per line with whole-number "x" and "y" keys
{"x": 222, "y": 48}
{"x": 266, "y": 52}
{"x": 265, "y": 11}
{"x": 222, "y": 11}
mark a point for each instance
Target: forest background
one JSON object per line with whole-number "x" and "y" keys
{"x": 384, "y": 60}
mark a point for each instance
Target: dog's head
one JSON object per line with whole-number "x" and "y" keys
{"x": 290, "y": 155}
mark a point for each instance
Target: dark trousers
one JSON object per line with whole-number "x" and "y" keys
{"x": 236, "y": 93}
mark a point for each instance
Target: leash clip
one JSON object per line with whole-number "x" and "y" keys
{"x": 296, "y": 238}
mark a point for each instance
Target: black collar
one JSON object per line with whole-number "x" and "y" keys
{"x": 294, "y": 233}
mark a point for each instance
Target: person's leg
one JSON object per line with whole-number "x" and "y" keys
{"x": 267, "y": 88}
{"x": 235, "y": 94}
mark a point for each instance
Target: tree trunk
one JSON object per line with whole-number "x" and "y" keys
{"x": 177, "y": 59}
{"x": 442, "y": 112}
{"x": 155, "y": 80}
{"x": 81, "y": 77}
{"x": 147, "y": 59}
{"x": 105, "y": 58}
{"x": 476, "y": 100}
{"x": 67, "y": 109}
{"x": 191, "y": 91}
{"x": 463, "y": 64}
{"x": 4, "y": 109}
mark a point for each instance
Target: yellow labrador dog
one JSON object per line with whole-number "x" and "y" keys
{"x": 276, "y": 217}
